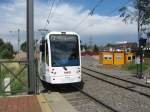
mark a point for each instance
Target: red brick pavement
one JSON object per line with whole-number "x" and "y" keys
{"x": 19, "y": 104}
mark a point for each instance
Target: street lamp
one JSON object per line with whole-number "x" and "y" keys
{"x": 18, "y": 36}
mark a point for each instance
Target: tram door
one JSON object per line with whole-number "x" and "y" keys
{"x": 42, "y": 60}
{"x": 46, "y": 58}
{"x": 44, "y": 67}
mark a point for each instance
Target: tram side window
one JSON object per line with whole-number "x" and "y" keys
{"x": 47, "y": 57}
{"x": 43, "y": 53}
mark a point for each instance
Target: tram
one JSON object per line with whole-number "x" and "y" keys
{"x": 59, "y": 58}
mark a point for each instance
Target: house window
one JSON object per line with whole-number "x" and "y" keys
{"x": 133, "y": 57}
{"x": 119, "y": 57}
{"x": 105, "y": 58}
{"x": 129, "y": 58}
{"x": 110, "y": 58}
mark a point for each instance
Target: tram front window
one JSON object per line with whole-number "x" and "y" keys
{"x": 64, "y": 50}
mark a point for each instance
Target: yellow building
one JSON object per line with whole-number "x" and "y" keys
{"x": 106, "y": 58}
{"x": 129, "y": 57}
{"x": 119, "y": 58}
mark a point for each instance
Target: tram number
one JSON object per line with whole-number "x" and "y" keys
{"x": 67, "y": 72}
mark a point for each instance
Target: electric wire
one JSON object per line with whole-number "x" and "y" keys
{"x": 110, "y": 13}
{"x": 116, "y": 9}
{"x": 50, "y": 12}
{"x": 89, "y": 14}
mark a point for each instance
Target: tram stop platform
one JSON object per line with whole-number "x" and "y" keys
{"x": 52, "y": 102}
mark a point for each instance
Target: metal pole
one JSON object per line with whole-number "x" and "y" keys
{"x": 137, "y": 68}
{"x": 18, "y": 40}
{"x": 30, "y": 40}
{"x": 138, "y": 22}
{"x": 141, "y": 61}
{"x": 18, "y": 43}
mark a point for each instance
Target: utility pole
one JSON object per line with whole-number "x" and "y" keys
{"x": 18, "y": 36}
{"x": 90, "y": 42}
{"x": 148, "y": 42}
{"x": 139, "y": 75}
{"x": 30, "y": 44}
{"x": 18, "y": 41}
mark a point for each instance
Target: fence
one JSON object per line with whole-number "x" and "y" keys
{"x": 13, "y": 77}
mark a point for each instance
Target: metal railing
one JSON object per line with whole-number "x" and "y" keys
{"x": 16, "y": 72}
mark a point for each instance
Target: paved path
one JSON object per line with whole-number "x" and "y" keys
{"x": 19, "y": 104}
{"x": 53, "y": 102}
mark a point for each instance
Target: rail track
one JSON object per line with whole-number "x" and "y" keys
{"x": 120, "y": 95}
{"x": 81, "y": 100}
{"x": 95, "y": 98}
{"x": 119, "y": 82}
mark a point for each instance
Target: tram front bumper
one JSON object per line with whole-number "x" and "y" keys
{"x": 63, "y": 79}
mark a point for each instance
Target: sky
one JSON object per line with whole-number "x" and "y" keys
{"x": 103, "y": 25}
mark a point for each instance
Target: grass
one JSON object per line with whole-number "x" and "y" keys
{"x": 16, "y": 85}
{"x": 132, "y": 67}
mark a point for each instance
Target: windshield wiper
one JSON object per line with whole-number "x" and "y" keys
{"x": 64, "y": 68}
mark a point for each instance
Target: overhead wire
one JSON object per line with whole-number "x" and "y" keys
{"x": 52, "y": 15}
{"x": 116, "y": 9}
{"x": 89, "y": 14}
{"x": 111, "y": 12}
{"x": 86, "y": 17}
{"x": 50, "y": 12}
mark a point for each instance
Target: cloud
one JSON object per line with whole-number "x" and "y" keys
{"x": 12, "y": 16}
{"x": 64, "y": 17}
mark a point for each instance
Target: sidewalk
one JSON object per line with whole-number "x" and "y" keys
{"x": 53, "y": 102}
{"x": 19, "y": 104}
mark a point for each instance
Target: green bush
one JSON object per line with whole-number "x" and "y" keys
{"x": 16, "y": 85}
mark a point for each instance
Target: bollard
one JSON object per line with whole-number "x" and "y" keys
{"x": 6, "y": 82}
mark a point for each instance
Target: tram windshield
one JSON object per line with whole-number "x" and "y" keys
{"x": 64, "y": 50}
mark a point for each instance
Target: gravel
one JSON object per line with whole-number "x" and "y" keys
{"x": 83, "y": 103}
{"x": 118, "y": 98}
{"x": 92, "y": 63}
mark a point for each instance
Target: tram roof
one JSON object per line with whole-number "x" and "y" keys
{"x": 63, "y": 32}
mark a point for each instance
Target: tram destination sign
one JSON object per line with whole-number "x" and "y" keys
{"x": 63, "y": 37}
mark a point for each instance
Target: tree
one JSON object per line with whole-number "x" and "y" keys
{"x": 24, "y": 46}
{"x": 5, "y": 54}
{"x": 96, "y": 48}
{"x": 6, "y": 50}
{"x": 109, "y": 45}
{"x": 140, "y": 12}
{"x": 85, "y": 47}
{"x": 1, "y": 42}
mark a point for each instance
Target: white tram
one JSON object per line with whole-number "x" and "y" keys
{"x": 59, "y": 59}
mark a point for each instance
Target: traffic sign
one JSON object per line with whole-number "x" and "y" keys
{"x": 137, "y": 60}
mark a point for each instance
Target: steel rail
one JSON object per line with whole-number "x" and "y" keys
{"x": 95, "y": 99}
{"x": 127, "y": 88}
{"x": 116, "y": 77}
